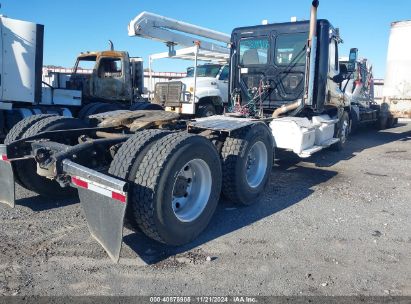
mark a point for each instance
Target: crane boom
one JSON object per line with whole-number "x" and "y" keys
{"x": 174, "y": 32}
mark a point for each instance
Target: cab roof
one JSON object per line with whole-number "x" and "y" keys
{"x": 286, "y": 27}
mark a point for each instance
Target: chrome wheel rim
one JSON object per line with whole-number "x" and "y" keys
{"x": 191, "y": 190}
{"x": 256, "y": 165}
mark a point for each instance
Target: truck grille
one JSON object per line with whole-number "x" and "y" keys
{"x": 168, "y": 93}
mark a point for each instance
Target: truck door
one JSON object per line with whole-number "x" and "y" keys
{"x": 112, "y": 79}
{"x": 334, "y": 95}
{"x": 223, "y": 83}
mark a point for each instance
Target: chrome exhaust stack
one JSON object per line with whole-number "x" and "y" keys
{"x": 311, "y": 55}
{"x": 313, "y": 20}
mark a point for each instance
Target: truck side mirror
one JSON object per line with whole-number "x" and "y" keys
{"x": 352, "y": 59}
{"x": 338, "y": 78}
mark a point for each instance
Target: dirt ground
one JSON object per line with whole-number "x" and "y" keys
{"x": 338, "y": 223}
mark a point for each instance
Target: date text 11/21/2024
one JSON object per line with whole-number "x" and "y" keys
{"x": 203, "y": 299}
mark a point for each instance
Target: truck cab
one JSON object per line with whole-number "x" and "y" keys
{"x": 211, "y": 91}
{"x": 114, "y": 77}
{"x": 274, "y": 55}
{"x": 212, "y": 82}
{"x": 290, "y": 71}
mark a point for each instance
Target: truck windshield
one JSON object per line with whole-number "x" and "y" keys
{"x": 254, "y": 51}
{"x": 289, "y": 49}
{"x": 207, "y": 70}
{"x": 85, "y": 63}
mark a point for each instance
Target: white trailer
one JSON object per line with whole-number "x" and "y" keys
{"x": 397, "y": 82}
{"x": 21, "y": 91}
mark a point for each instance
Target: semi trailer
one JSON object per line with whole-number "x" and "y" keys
{"x": 397, "y": 82}
{"x": 163, "y": 174}
{"x": 21, "y": 62}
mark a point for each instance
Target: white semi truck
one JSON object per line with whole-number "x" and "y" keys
{"x": 211, "y": 94}
{"x": 164, "y": 173}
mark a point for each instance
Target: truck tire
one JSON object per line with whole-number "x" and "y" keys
{"x": 382, "y": 123}
{"x": 17, "y": 133}
{"x": 137, "y": 105}
{"x": 341, "y": 131}
{"x": 84, "y": 110}
{"x": 26, "y": 169}
{"x": 100, "y": 107}
{"x": 177, "y": 188}
{"x": 355, "y": 123}
{"x": 22, "y": 126}
{"x": 395, "y": 122}
{"x": 391, "y": 122}
{"x": 146, "y": 106}
{"x": 128, "y": 158}
{"x": 247, "y": 157}
{"x": 206, "y": 110}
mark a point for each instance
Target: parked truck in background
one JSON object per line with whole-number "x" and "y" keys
{"x": 164, "y": 173}
{"x": 206, "y": 84}
{"x": 397, "y": 83}
{"x": 115, "y": 83}
{"x": 359, "y": 86}
{"x": 211, "y": 90}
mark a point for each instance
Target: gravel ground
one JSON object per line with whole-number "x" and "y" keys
{"x": 334, "y": 224}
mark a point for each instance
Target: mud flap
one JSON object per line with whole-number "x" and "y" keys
{"x": 104, "y": 200}
{"x": 7, "y": 187}
{"x": 105, "y": 219}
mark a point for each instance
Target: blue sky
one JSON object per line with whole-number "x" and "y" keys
{"x": 74, "y": 26}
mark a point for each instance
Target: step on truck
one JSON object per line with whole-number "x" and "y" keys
{"x": 162, "y": 174}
